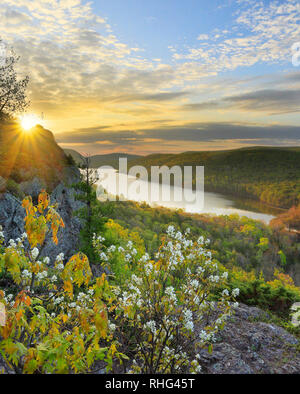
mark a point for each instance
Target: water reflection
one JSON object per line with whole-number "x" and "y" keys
{"x": 214, "y": 203}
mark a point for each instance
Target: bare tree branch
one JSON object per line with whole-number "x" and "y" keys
{"x": 13, "y": 97}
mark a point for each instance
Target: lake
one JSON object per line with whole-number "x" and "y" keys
{"x": 214, "y": 203}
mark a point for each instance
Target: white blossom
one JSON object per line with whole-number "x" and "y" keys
{"x": 151, "y": 325}
{"x": 60, "y": 257}
{"x": 225, "y": 275}
{"x": 171, "y": 293}
{"x": 235, "y": 292}
{"x": 225, "y": 293}
{"x": 34, "y": 253}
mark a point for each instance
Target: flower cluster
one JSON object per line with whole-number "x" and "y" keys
{"x": 167, "y": 298}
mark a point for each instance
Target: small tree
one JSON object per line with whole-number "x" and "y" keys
{"x": 89, "y": 178}
{"x": 93, "y": 214}
{"x": 12, "y": 89}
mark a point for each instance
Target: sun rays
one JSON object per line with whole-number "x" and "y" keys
{"x": 29, "y": 121}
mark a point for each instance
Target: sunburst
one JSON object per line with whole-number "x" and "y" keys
{"x": 28, "y": 122}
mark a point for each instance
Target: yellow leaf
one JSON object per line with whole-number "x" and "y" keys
{"x": 64, "y": 318}
{"x": 113, "y": 349}
{"x": 68, "y": 287}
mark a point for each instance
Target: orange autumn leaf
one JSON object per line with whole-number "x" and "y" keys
{"x": 36, "y": 220}
{"x": 28, "y": 301}
{"x": 101, "y": 323}
{"x": 78, "y": 268}
{"x": 56, "y": 222}
{"x": 113, "y": 349}
{"x": 43, "y": 201}
{"x": 68, "y": 287}
{"x": 6, "y": 330}
{"x": 19, "y": 314}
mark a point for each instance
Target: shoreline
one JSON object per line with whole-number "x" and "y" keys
{"x": 229, "y": 195}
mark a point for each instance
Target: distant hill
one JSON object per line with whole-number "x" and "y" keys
{"x": 269, "y": 174}
{"x": 220, "y": 158}
{"x": 111, "y": 159}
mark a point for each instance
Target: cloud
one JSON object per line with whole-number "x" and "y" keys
{"x": 271, "y": 101}
{"x": 158, "y": 97}
{"x": 203, "y": 37}
{"x": 71, "y": 54}
{"x": 261, "y": 33}
{"x": 190, "y": 132}
{"x": 200, "y": 106}
{"x": 15, "y": 18}
{"x": 268, "y": 100}
{"x": 82, "y": 74}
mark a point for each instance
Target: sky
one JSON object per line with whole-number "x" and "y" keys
{"x": 160, "y": 76}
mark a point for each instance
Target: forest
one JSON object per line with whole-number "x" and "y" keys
{"x": 267, "y": 174}
{"x": 249, "y": 249}
{"x": 236, "y": 241}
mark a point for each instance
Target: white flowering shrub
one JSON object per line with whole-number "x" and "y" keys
{"x": 158, "y": 313}
{"x": 162, "y": 315}
{"x": 123, "y": 253}
{"x": 57, "y": 317}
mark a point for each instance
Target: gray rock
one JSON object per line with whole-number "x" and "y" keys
{"x": 251, "y": 346}
{"x": 12, "y": 220}
{"x": 231, "y": 363}
{"x": 11, "y": 216}
{"x": 2, "y": 184}
{"x": 68, "y": 236}
{"x": 71, "y": 175}
{"x": 4, "y": 368}
{"x": 33, "y": 187}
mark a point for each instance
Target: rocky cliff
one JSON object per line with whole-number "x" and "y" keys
{"x": 30, "y": 162}
{"x": 27, "y": 156}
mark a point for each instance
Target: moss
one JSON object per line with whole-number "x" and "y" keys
{"x": 13, "y": 188}
{"x": 272, "y": 318}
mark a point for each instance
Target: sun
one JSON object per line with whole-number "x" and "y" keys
{"x": 28, "y": 122}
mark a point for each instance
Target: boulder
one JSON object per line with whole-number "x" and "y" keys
{"x": 71, "y": 175}
{"x": 68, "y": 236}
{"x": 249, "y": 344}
{"x": 11, "y": 216}
{"x": 33, "y": 187}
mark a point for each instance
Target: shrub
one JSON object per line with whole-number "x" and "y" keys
{"x": 13, "y": 188}
{"x": 162, "y": 311}
{"x": 276, "y": 295}
{"x": 57, "y": 322}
